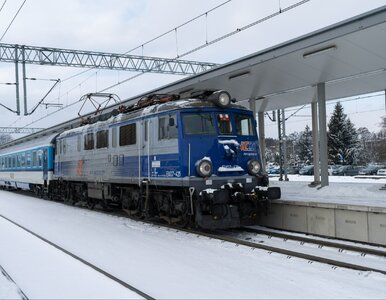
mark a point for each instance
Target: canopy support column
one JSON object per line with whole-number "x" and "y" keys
{"x": 321, "y": 92}
{"x": 315, "y": 142}
{"x": 261, "y": 126}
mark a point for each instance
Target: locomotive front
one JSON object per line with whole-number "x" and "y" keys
{"x": 221, "y": 163}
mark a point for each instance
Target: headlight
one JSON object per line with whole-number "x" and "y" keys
{"x": 204, "y": 168}
{"x": 220, "y": 98}
{"x": 253, "y": 167}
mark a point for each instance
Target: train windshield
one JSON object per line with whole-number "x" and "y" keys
{"x": 200, "y": 123}
{"x": 244, "y": 125}
{"x": 224, "y": 124}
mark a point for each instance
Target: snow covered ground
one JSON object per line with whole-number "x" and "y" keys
{"x": 162, "y": 263}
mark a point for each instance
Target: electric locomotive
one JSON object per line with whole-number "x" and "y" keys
{"x": 193, "y": 160}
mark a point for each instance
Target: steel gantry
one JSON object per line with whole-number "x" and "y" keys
{"x": 45, "y": 56}
{"x": 19, "y": 130}
{"x": 99, "y": 60}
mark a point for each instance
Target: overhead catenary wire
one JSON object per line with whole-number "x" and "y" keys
{"x": 10, "y": 24}
{"x": 206, "y": 44}
{"x": 158, "y": 37}
{"x": 140, "y": 46}
{"x": 238, "y": 30}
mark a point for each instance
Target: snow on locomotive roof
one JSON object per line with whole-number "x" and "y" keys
{"x": 29, "y": 144}
{"x": 146, "y": 111}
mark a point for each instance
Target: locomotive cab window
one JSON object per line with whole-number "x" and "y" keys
{"x": 199, "y": 124}
{"x": 114, "y": 137}
{"x": 167, "y": 127}
{"x": 89, "y": 141}
{"x": 244, "y": 125}
{"x": 128, "y": 135}
{"x": 224, "y": 124}
{"x": 102, "y": 139}
{"x": 79, "y": 143}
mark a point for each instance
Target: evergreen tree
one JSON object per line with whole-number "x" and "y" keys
{"x": 380, "y": 142}
{"x": 304, "y": 145}
{"x": 343, "y": 146}
{"x": 353, "y": 147}
{"x": 366, "y": 153}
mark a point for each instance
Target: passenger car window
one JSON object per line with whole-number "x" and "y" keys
{"x": 198, "y": 124}
{"x": 40, "y": 158}
{"x": 28, "y": 160}
{"x": 34, "y": 159}
{"x": 244, "y": 125}
{"x": 128, "y": 135}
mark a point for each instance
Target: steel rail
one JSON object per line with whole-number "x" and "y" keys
{"x": 311, "y": 240}
{"x": 19, "y": 290}
{"x": 297, "y": 254}
{"x": 108, "y": 275}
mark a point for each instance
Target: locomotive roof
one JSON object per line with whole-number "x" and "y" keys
{"x": 184, "y": 103}
{"x": 29, "y": 144}
{"x": 150, "y": 110}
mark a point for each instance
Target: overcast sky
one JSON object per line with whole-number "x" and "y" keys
{"x": 120, "y": 25}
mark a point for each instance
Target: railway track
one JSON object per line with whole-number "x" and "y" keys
{"x": 336, "y": 253}
{"x": 251, "y": 238}
{"x": 19, "y": 291}
{"x": 96, "y": 268}
{"x": 321, "y": 242}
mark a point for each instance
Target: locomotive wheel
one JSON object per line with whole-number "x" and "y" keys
{"x": 185, "y": 221}
{"x": 90, "y": 202}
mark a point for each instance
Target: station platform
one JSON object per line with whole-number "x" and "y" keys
{"x": 349, "y": 208}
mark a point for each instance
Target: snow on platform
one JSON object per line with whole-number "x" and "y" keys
{"x": 341, "y": 190}
{"x": 166, "y": 263}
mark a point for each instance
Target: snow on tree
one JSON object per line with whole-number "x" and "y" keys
{"x": 380, "y": 144}
{"x": 366, "y": 149}
{"x": 343, "y": 145}
{"x": 304, "y": 145}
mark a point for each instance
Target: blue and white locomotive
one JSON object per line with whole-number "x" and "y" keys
{"x": 187, "y": 161}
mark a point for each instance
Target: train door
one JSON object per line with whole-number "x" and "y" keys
{"x": 45, "y": 166}
{"x": 146, "y": 149}
{"x": 58, "y": 157}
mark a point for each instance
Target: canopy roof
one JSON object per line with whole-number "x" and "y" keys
{"x": 349, "y": 57}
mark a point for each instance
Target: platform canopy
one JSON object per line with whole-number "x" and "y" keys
{"x": 349, "y": 57}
